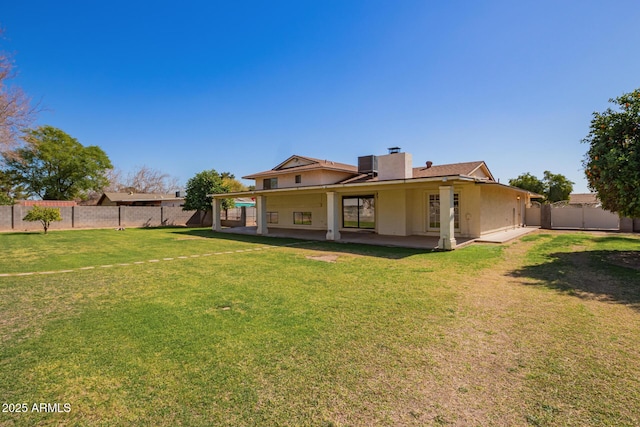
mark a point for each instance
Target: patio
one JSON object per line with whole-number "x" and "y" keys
{"x": 369, "y": 238}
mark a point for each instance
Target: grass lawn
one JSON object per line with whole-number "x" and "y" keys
{"x": 170, "y": 327}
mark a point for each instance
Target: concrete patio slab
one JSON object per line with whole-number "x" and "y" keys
{"x": 506, "y": 235}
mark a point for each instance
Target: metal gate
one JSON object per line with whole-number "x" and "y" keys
{"x": 583, "y": 217}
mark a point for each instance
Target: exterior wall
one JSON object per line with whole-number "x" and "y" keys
{"x": 501, "y": 210}
{"x": 309, "y": 178}
{"x": 469, "y": 209}
{"x": 139, "y": 216}
{"x": 287, "y": 205}
{"x": 391, "y": 213}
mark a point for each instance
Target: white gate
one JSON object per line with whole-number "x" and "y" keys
{"x": 583, "y": 217}
{"x": 533, "y": 215}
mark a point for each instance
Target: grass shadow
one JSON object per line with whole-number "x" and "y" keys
{"x": 389, "y": 252}
{"x": 606, "y": 275}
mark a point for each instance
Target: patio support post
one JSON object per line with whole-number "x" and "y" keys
{"x": 447, "y": 223}
{"x": 215, "y": 214}
{"x": 261, "y": 215}
{"x": 333, "y": 216}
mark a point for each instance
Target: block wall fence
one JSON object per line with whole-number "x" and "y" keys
{"x": 105, "y": 217}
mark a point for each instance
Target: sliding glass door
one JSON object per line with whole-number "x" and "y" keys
{"x": 358, "y": 212}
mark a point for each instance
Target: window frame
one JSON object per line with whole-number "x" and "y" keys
{"x": 302, "y": 218}
{"x": 271, "y": 216}
{"x": 358, "y": 225}
{"x": 436, "y": 213}
{"x": 270, "y": 183}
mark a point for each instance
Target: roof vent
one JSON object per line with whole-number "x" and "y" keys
{"x": 429, "y": 164}
{"x": 393, "y": 150}
{"x": 368, "y": 165}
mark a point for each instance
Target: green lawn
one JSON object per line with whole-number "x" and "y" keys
{"x": 203, "y": 329}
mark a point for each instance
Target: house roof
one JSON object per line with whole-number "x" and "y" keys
{"x": 478, "y": 168}
{"x": 583, "y": 198}
{"x": 302, "y": 163}
{"x": 47, "y": 203}
{"x": 139, "y": 197}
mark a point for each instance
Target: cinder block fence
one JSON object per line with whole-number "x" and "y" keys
{"x": 105, "y": 217}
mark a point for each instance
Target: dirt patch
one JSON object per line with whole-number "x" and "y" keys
{"x": 325, "y": 258}
{"x": 629, "y": 259}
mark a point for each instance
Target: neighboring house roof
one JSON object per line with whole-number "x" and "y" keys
{"x": 139, "y": 197}
{"x": 301, "y": 163}
{"x": 583, "y": 199}
{"x": 47, "y": 203}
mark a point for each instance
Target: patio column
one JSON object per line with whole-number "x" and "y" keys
{"x": 216, "y": 223}
{"x": 333, "y": 216}
{"x": 261, "y": 215}
{"x": 447, "y": 223}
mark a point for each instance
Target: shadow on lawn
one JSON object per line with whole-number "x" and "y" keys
{"x": 350, "y": 248}
{"x": 606, "y": 275}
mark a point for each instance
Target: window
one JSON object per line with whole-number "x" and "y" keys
{"x": 269, "y": 183}
{"x": 272, "y": 217}
{"x": 298, "y": 179}
{"x": 358, "y": 212}
{"x": 302, "y": 218}
{"x": 433, "y": 220}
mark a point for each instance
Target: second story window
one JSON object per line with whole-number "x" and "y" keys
{"x": 298, "y": 179}
{"x": 270, "y": 183}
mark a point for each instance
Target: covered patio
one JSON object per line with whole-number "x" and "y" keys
{"x": 369, "y": 238}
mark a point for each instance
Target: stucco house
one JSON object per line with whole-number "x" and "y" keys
{"x": 384, "y": 194}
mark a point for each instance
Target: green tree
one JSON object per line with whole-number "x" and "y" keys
{"x": 612, "y": 163}
{"x": 202, "y": 184}
{"x": 55, "y": 166}
{"x": 528, "y": 182}
{"x": 44, "y": 215}
{"x": 554, "y": 187}
{"x": 9, "y": 192}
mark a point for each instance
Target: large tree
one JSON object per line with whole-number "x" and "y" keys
{"x": 143, "y": 179}
{"x": 528, "y": 182}
{"x": 554, "y": 187}
{"x": 16, "y": 112}
{"x": 54, "y": 166}
{"x": 612, "y": 164}
{"x": 202, "y": 184}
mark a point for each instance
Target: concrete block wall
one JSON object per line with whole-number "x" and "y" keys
{"x": 140, "y": 216}
{"x": 105, "y": 217}
{"x": 96, "y": 216}
{"x": 176, "y": 216}
{"x": 20, "y": 225}
{"x": 6, "y": 218}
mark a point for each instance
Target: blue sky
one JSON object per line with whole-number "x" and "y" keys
{"x": 240, "y": 86}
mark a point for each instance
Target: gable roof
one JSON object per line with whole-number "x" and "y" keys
{"x": 476, "y": 169}
{"x": 302, "y": 163}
